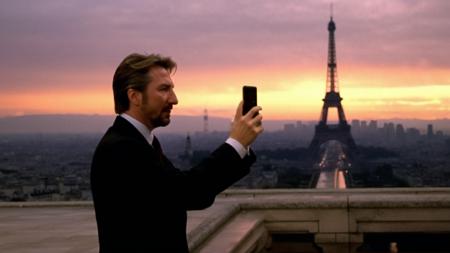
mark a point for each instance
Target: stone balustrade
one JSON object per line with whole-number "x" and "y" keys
{"x": 338, "y": 219}
{"x": 246, "y": 220}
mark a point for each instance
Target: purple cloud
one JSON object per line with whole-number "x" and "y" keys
{"x": 40, "y": 38}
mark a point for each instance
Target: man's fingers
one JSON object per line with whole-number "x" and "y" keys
{"x": 238, "y": 114}
{"x": 246, "y": 128}
{"x": 253, "y": 111}
{"x": 256, "y": 121}
{"x": 258, "y": 129}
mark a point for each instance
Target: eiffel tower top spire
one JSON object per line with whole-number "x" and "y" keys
{"x": 331, "y": 11}
{"x": 332, "y": 78}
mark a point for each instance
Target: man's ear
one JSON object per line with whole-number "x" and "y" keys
{"x": 135, "y": 97}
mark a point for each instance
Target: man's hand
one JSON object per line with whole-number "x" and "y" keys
{"x": 245, "y": 128}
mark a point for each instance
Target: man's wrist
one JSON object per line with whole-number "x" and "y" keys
{"x": 240, "y": 149}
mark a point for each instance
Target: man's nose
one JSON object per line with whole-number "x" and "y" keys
{"x": 173, "y": 98}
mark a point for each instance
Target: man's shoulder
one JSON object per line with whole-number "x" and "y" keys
{"x": 116, "y": 139}
{"x": 114, "y": 147}
{"x": 122, "y": 132}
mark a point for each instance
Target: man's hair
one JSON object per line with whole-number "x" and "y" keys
{"x": 132, "y": 73}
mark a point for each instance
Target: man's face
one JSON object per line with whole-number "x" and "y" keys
{"x": 158, "y": 98}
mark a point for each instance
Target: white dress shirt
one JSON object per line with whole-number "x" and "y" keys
{"x": 140, "y": 127}
{"x": 148, "y": 135}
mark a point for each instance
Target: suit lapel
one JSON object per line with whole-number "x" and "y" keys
{"x": 125, "y": 128}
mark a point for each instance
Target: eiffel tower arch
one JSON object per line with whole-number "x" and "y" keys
{"x": 341, "y": 131}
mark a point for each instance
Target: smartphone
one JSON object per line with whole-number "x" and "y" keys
{"x": 249, "y": 94}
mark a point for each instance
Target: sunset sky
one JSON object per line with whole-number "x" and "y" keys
{"x": 393, "y": 56}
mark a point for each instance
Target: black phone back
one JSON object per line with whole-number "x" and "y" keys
{"x": 249, "y": 94}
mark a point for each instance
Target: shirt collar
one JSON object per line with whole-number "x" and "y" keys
{"x": 148, "y": 135}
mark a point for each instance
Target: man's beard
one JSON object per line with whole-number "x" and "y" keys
{"x": 158, "y": 121}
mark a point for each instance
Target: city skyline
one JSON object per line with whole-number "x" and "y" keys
{"x": 59, "y": 58}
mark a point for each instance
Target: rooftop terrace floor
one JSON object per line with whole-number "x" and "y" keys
{"x": 62, "y": 229}
{"x": 70, "y": 227}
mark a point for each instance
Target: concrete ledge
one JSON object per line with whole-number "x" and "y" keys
{"x": 295, "y": 202}
{"x": 210, "y": 224}
{"x": 242, "y": 220}
{"x": 338, "y": 218}
{"x": 240, "y": 234}
{"x": 47, "y": 204}
{"x": 257, "y": 193}
{"x": 357, "y": 195}
{"x": 397, "y": 200}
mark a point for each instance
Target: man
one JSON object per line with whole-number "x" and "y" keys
{"x": 140, "y": 198}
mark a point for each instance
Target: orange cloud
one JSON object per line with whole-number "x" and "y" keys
{"x": 283, "y": 92}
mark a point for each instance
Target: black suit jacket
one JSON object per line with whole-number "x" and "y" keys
{"x": 141, "y": 199}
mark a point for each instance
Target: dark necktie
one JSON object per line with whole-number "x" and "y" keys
{"x": 157, "y": 146}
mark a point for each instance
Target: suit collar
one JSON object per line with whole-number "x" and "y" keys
{"x": 148, "y": 135}
{"x": 124, "y": 127}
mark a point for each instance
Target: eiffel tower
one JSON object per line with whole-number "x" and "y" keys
{"x": 325, "y": 132}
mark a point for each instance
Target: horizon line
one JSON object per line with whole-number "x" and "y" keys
{"x": 201, "y": 115}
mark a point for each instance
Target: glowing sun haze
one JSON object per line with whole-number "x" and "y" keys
{"x": 393, "y": 56}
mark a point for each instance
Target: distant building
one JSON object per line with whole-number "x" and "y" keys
{"x": 205, "y": 121}
{"x": 364, "y": 126}
{"x": 412, "y": 133}
{"x": 430, "y": 132}
{"x": 188, "y": 148}
{"x": 389, "y": 130}
{"x": 356, "y": 126}
{"x": 373, "y": 126}
{"x": 290, "y": 128}
{"x": 400, "y": 132}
